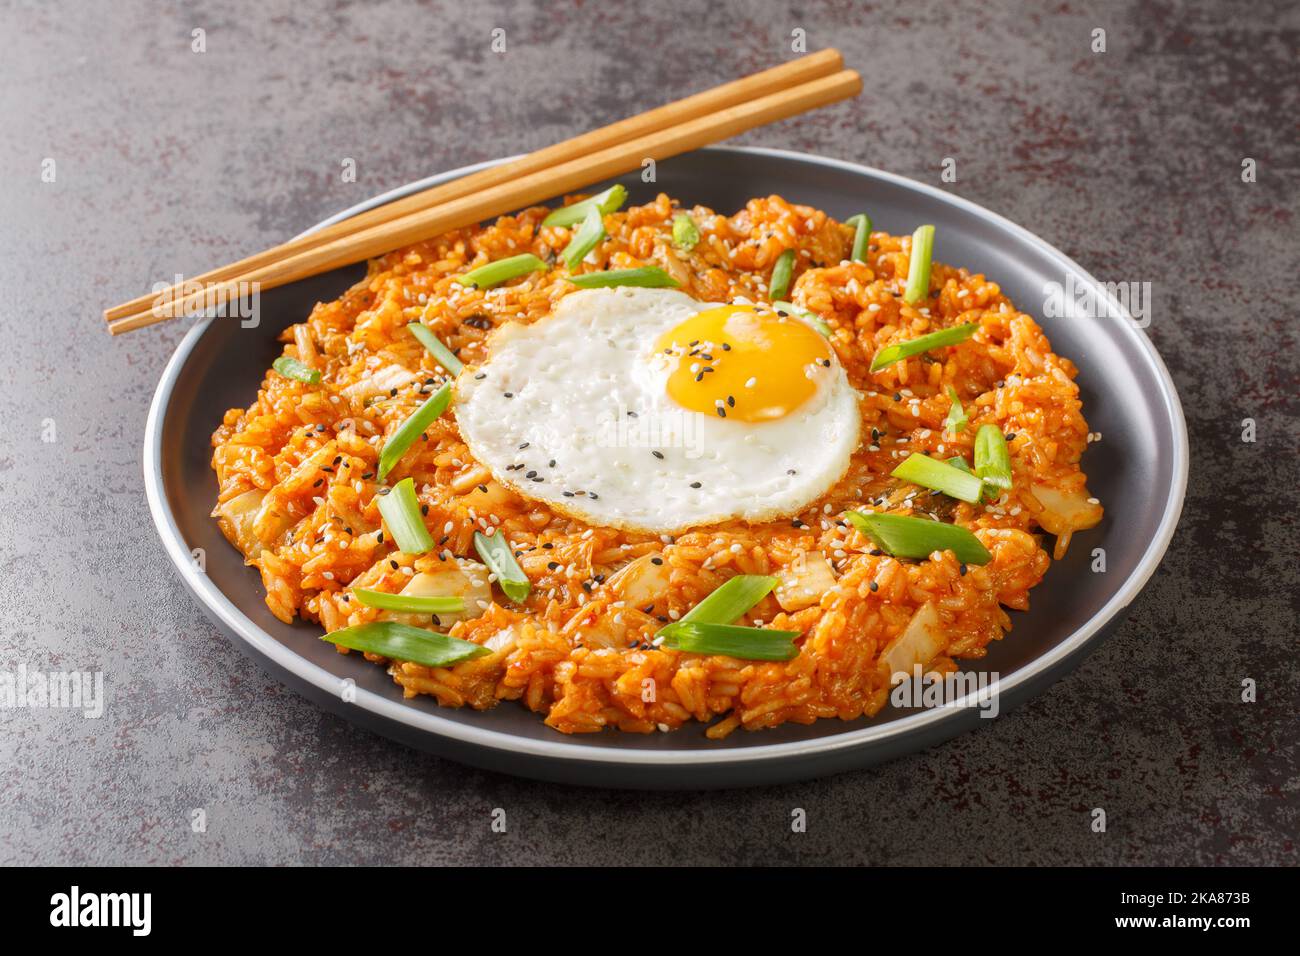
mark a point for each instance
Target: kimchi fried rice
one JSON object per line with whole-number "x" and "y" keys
{"x": 301, "y": 481}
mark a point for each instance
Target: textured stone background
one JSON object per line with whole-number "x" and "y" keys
{"x": 168, "y": 161}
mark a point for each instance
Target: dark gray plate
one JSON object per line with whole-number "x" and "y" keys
{"x": 1139, "y": 471}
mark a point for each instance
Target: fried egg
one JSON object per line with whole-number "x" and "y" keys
{"x": 643, "y": 409}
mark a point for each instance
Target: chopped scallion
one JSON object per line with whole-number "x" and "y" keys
{"x": 731, "y": 599}
{"x": 743, "y": 643}
{"x": 585, "y": 239}
{"x": 401, "y": 512}
{"x": 503, "y": 270}
{"x": 992, "y": 457}
{"x": 781, "y": 273}
{"x": 441, "y": 354}
{"x": 411, "y": 429}
{"x": 409, "y": 603}
{"x": 685, "y": 234}
{"x": 956, "y": 419}
{"x": 906, "y": 537}
{"x": 816, "y": 321}
{"x": 939, "y": 476}
{"x": 292, "y": 368}
{"x": 918, "y": 266}
{"x": 496, "y": 554}
{"x": 862, "y": 237}
{"x": 611, "y": 200}
{"x": 650, "y": 277}
{"x": 933, "y": 340}
{"x": 401, "y": 642}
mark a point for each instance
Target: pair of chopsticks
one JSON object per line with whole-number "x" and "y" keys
{"x": 779, "y": 93}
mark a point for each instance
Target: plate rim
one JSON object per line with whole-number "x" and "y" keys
{"x": 227, "y": 614}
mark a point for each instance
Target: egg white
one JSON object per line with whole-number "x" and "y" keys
{"x": 585, "y": 388}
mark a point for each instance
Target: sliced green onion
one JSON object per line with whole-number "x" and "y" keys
{"x": 441, "y": 354}
{"x": 956, "y": 419}
{"x": 685, "y": 234}
{"x": 585, "y": 239}
{"x": 732, "y": 599}
{"x": 744, "y": 643}
{"x": 411, "y": 429}
{"x": 401, "y": 512}
{"x": 957, "y": 461}
{"x": 933, "y": 340}
{"x": 401, "y": 642}
{"x": 409, "y": 603}
{"x": 907, "y": 537}
{"x": 816, "y": 321}
{"x": 650, "y": 277}
{"x": 292, "y": 368}
{"x": 918, "y": 266}
{"x": 861, "y": 238}
{"x": 496, "y": 554}
{"x": 503, "y": 270}
{"x": 611, "y": 200}
{"x": 781, "y": 273}
{"x": 992, "y": 457}
{"x": 940, "y": 476}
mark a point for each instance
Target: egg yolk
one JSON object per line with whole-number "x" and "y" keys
{"x": 737, "y": 362}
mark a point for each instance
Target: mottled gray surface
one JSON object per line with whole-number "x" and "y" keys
{"x": 169, "y": 161}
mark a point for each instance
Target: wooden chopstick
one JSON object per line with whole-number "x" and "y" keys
{"x": 822, "y": 63}
{"x": 523, "y": 191}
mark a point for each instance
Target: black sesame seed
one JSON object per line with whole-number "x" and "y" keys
{"x": 318, "y": 482}
{"x": 592, "y": 495}
{"x": 424, "y": 509}
{"x": 722, "y": 412}
{"x": 380, "y": 539}
{"x": 875, "y": 552}
{"x": 1011, "y": 436}
{"x": 393, "y": 563}
{"x": 552, "y": 565}
{"x": 898, "y": 396}
{"x": 480, "y": 376}
{"x": 443, "y": 540}
{"x": 695, "y": 484}
{"x": 523, "y": 446}
{"x": 874, "y": 586}
{"x": 483, "y": 488}
{"x": 567, "y": 494}
{"x": 658, "y": 454}
{"x": 508, "y": 394}
{"x": 551, "y": 463}
{"x": 656, "y": 561}
{"x": 962, "y": 570}
{"x": 731, "y": 401}
{"x": 726, "y": 347}
{"x": 547, "y": 545}
{"x": 530, "y": 474}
